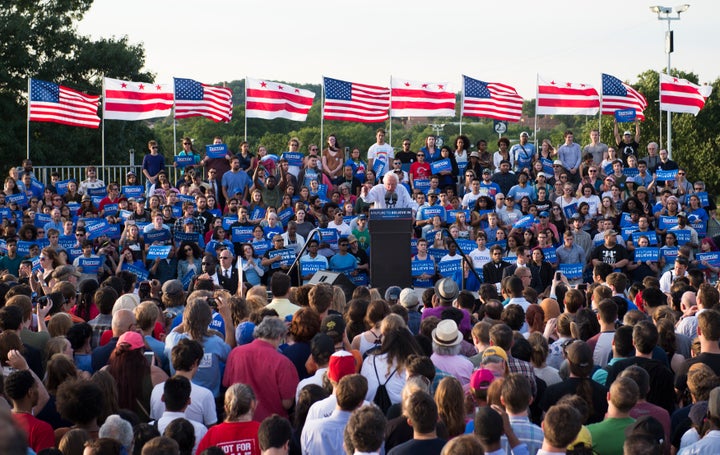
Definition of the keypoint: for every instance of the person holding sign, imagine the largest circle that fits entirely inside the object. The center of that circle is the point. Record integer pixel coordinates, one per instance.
(627, 145)
(188, 150)
(640, 268)
(379, 154)
(219, 165)
(235, 182)
(274, 260)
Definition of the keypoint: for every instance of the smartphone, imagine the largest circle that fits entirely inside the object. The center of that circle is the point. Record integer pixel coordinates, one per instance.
(149, 357)
(558, 276)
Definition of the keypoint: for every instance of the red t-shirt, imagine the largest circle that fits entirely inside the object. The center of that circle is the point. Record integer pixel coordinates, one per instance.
(420, 170)
(40, 434)
(234, 438)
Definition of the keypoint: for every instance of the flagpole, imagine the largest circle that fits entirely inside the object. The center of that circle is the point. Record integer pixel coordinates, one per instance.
(322, 112)
(537, 81)
(102, 131)
(27, 142)
(246, 91)
(462, 102)
(390, 115)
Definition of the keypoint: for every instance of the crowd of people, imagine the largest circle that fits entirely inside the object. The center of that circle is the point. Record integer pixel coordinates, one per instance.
(562, 300)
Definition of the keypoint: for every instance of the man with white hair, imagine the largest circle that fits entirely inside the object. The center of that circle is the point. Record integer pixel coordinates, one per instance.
(389, 194)
(115, 427)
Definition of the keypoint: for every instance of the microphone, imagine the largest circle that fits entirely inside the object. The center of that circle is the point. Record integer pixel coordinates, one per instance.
(391, 199)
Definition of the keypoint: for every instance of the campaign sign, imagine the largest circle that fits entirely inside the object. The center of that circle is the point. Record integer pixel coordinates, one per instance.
(216, 150)
(570, 210)
(683, 236)
(187, 279)
(157, 235)
(97, 229)
(184, 160)
(41, 219)
(572, 271)
(66, 241)
(524, 222)
(322, 190)
(349, 219)
(62, 187)
(177, 211)
(651, 236)
(378, 166)
(74, 207)
(158, 252)
(310, 268)
(510, 258)
(5, 213)
(711, 257)
(113, 231)
(437, 253)
(37, 186)
(703, 196)
(608, 169)
(361, 279)
(287, 255)
(442, 165)
(3, 246)
(36, 264)
(293, 158)
(18, 198)
(419, 267)
(422, 185)
(625, 219)
(625, 115)
(631, 172)
(391, 214)
(186, 237)
(427, 213)
(74, 253)
(669, 253)
(185, 198)
(286, 215)
(110, 210)
(135, 191)
(413, 246)
(96, 200)
(550, 255)
(647, 254)
(664, 176)
(466, 245)
(100, 191)
(452, 215)
(227, 221)
(626, 232)
(667, 222)
(141, 225)
(449, 268)
(261, 247)
(329, 235)
(502, 243)
(258, 213)
(141, 273)
(90, 266)
(547, 165)
(242, 234)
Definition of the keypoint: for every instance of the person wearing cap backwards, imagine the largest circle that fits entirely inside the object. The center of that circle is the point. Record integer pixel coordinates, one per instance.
(610, 252)
(523, 153)
(627, 144)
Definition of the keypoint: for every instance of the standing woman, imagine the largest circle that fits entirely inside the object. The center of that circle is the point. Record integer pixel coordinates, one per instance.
(462, 145)
(449, 178)
(557, 217)
(542, 269)
(49, 260)
(252, 271)
(332, 159)
(503, 153)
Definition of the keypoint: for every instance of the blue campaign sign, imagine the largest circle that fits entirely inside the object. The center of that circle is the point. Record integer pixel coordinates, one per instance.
(110, 209)
(448, 268)
(625, 115)
(664, 176)
(703, 196)
(391, 214)
(74, 207)
(422, 184)
(113, 231)
(242, 234)
(5, 213)
(625, 219)
(502, 243)
(66, 241)
(62, 187)
(177, 211)
(97, 229)
(258, 213)
(413, 246)
(442, 165)
(378, 166)
(293, 158)
(216, 150)
(141, 225)
(154, 235)
(187, 279)
(627, 231)
(667, 222)
(437, 253)
(90, 266)
(524, 222)
(647, 254)
(3, 246)
(310, 268)
(669, 253)
(570, 210)
(361, 279)
(184, 160)
(124, 215)
(683, 236)
(41, 219)
(651, 236)
(227, 221)
(186, 237)
(427, 213)
(287, 254)
(322, 190)
(419, 267)
(185, 198)
(19, 198)
(135, 191)
(347, 219)
(37, 185)
(550, 255)
(74, 253)
(96, 200)
(261, 247)
(286, 215)
(36, 264)
(158, 252)
(631, 172)
(711, 257)
(466, 245)
(100, 191)
(547, 165)
(329, 235)
(452, 215)
(572, 271)
(141, 273)
(608, 169)
(23, 247)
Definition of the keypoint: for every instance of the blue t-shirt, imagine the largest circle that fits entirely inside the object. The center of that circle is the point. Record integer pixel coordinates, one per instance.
(236, 182)
(153, 164)
(340, 263)
(212, 365)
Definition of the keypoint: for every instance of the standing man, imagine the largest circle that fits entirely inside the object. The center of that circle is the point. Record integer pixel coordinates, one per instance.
(652, 159)
(152, 165)
(597, 149)
(380, 151)
(91, 181)
(235, 183)
(570, 156)
(406, 156)
(627, 145)
(523, 153)
(610, 252)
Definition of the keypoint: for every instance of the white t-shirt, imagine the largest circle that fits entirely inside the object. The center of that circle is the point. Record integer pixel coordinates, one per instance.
(480, 258)
(384, 153)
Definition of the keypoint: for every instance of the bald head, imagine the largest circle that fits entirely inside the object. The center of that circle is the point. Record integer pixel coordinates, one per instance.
(688, 300)
(122, 321)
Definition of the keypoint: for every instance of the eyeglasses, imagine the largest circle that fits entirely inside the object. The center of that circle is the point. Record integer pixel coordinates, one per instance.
(40, 231)
(563, 176)
(592, 171)
(187, 248)
(681, 173)
(420, 154)
(225, 257)
(187, 143)
(698, 189)
(57, 199)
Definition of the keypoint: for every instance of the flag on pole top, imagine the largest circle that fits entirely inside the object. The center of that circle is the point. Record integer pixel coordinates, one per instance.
(566, 98)
(49, 102)
(270, 100)
(127, 100)
(681, 95)
(421, 99)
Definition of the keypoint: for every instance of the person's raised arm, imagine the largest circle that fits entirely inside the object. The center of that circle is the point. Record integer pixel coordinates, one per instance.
(17, 361)
(637, 131)
(616, 133)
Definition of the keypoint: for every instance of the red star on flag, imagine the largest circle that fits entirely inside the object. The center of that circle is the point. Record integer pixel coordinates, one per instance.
(124, 85)
(568, 84)
(297, 91)
(280, 87)
(263, 84)
(158, 87)
(407, 84)
(441, 87)
(552, 82)
(141, 87)
(424, 86)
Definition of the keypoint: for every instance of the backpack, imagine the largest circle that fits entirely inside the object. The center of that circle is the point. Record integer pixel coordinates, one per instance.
(376, 347)
(382, 398)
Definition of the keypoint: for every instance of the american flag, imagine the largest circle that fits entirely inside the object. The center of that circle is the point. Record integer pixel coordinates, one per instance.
(195, 99)
(566, 98)
(421, 99)
(353, 102)
(617, 95)
(490, 99)
(270, 100)
(54, 103)
(680, 95)
(126, 100)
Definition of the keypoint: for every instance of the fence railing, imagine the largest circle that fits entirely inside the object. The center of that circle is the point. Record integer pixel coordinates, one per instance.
(107, 174)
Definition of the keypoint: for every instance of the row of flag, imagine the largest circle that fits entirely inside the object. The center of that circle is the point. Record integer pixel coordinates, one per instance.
(349, 101)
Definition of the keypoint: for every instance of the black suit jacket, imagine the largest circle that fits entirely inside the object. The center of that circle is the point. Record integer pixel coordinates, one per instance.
(493, 273)
(231, 284)
(534, 281)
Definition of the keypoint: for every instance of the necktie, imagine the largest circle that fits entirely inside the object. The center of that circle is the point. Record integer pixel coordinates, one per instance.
(227, 273)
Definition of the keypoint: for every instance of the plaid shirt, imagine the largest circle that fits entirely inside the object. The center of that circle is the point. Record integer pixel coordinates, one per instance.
(527, 432)
(180, 222)
(524, 368)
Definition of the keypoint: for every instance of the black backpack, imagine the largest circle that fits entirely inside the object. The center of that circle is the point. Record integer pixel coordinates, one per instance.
(382, 398)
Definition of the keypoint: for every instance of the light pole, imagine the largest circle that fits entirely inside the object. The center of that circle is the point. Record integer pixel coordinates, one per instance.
(664, 14)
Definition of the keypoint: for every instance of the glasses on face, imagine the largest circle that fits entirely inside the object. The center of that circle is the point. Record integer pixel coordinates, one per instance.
(187, 143)
(564, 177)
(224, 257)
(681, 173)
(698, 189)
(420, 154)
(55, 199)
(592, 171)
(40, 231)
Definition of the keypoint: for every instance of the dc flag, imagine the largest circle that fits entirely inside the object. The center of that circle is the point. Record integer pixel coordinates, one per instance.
(270, 100)
(421, 99)
(566, 98)
(127, 100)
(680, 95)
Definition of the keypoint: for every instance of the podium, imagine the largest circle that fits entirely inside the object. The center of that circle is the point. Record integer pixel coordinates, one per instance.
(390, 252)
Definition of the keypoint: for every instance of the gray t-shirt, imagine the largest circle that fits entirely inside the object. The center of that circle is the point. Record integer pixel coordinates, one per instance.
(597, 151)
